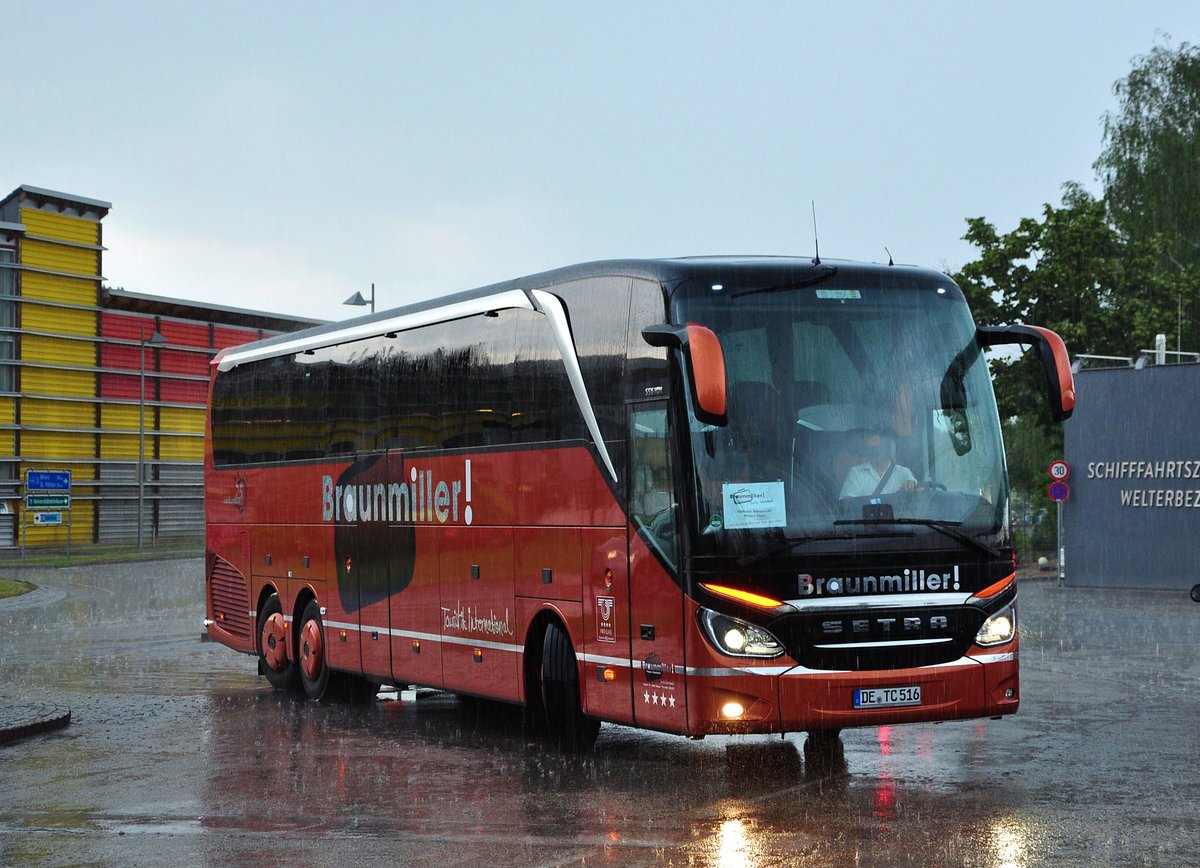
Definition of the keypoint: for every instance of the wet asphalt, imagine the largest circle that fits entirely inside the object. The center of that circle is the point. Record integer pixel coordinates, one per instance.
(177, 753)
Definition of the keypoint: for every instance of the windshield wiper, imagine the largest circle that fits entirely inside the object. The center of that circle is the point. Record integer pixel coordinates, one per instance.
(948, 528)
(822, 272)
(787, 546)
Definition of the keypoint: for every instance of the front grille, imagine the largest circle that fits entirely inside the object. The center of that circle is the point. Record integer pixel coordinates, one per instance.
(230, 601)
(853, 639)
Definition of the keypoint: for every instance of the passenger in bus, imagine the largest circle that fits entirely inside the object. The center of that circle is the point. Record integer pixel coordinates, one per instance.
(879, 473)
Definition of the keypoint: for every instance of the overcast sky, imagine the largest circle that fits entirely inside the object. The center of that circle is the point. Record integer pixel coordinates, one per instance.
(281, 156)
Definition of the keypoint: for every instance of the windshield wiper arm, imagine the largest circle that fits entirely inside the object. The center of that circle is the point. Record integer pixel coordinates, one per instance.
(822, 272)
(787, 546)
(948, 528)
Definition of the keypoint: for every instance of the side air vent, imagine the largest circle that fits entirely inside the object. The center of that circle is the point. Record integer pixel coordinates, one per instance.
(230, 602)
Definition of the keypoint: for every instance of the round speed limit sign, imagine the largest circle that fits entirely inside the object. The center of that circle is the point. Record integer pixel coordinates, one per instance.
(1060, 470)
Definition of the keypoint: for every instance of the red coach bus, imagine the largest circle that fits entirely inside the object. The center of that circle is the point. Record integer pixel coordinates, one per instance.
(706, 495)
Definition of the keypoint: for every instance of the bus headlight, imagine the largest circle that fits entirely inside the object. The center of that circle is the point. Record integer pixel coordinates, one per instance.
(999, 628)
(736, 637)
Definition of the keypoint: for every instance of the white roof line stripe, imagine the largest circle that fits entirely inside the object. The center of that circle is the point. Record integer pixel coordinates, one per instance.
(513, 298)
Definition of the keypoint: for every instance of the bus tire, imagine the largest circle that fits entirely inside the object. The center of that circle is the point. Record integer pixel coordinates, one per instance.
(824, 754)
(314, 672)
(568, 727)
(273, 658)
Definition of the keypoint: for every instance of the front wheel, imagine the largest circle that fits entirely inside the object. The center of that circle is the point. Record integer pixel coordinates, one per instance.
(314, 673)
(568, 726)
(273, 658)
(824, 754)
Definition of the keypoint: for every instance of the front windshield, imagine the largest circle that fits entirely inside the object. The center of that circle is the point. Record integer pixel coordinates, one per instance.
(848, 408)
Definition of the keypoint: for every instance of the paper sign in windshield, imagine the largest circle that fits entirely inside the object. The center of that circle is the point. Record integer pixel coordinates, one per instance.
(753, 504)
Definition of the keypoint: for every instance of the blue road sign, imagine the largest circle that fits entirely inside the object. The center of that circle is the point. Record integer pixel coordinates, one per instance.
(48, 480)
(1058, 491)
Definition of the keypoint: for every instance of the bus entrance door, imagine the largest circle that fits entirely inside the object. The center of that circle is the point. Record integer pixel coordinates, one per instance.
(656, 603)
(607, 689)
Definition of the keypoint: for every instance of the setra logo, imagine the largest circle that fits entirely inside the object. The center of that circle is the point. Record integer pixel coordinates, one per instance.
(885, 627)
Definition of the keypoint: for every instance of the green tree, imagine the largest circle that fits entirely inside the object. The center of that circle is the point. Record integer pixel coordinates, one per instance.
(1071, 271)
(1150, 169)
(1150, 162)
(1106, 274)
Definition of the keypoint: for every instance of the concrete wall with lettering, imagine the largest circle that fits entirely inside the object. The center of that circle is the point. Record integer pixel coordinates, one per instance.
(1133, 516)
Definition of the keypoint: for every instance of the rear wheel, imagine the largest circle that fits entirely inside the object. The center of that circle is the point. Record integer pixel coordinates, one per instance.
(314, 673)
(272, 647)
(566, 723)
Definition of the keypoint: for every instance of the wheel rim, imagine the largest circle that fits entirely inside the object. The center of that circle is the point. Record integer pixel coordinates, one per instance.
(311, 659)
(273, 642)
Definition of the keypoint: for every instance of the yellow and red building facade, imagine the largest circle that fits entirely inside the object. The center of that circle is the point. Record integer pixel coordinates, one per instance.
(100, 382)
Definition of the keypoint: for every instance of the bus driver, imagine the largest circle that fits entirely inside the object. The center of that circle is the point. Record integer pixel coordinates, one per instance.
(879, 474)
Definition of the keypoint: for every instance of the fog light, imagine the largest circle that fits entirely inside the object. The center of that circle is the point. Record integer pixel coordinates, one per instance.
(732, 710)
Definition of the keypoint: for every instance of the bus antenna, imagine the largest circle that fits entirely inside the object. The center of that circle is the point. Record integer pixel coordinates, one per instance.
(889, 253)
(816, 242)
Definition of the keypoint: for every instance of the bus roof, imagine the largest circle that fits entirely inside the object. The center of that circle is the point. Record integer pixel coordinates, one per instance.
(754, 270)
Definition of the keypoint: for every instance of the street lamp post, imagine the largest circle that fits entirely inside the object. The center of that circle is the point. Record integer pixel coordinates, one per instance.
(358, 301)
(155, 340)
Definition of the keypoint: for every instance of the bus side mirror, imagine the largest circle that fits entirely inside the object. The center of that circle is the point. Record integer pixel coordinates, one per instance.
(705, 361)
(1060, 382)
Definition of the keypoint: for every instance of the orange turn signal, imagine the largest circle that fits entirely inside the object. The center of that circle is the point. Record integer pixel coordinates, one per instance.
(743, 596)
(992, 590)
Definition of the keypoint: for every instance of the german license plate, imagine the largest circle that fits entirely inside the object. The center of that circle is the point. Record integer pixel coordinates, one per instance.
(884, 697)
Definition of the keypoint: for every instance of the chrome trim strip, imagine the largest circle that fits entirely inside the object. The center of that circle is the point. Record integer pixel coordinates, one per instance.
(551, 305)
(514, 298)
(746, 670)
(804, 671)
(994, 658)
(893, 601)
(896, 644)
(602, 660)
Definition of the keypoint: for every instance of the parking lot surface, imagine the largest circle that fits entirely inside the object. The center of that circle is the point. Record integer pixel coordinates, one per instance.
(176, 752)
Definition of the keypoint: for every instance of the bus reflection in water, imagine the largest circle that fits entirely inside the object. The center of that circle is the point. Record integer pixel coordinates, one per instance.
(612, 492)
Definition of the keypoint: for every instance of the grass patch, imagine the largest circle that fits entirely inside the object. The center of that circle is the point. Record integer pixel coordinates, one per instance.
(13, 588)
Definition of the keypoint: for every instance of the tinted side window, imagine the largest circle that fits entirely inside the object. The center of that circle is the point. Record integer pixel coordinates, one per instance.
(599, 313)
(484, 381)
(647, 374)
(543, 404)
